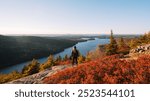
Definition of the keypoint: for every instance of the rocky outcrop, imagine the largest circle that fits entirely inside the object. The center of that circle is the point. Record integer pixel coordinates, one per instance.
(141, 49)
(38, 77)
(137, 52)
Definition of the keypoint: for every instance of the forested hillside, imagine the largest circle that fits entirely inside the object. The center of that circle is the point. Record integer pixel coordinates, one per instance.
(16, 49)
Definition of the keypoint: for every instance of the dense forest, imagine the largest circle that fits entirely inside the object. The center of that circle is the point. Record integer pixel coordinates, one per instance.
(16, 49)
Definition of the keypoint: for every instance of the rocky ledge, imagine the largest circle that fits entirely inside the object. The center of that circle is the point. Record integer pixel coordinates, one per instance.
(141, 49)
(138, 51)
(38, 77)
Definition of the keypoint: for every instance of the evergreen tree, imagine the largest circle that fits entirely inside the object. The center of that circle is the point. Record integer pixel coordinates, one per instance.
(111, 48)
(148, 35)
(143, 39)
(31, 68)
(81, 59)
(58, 59)
(66, 57)
(121, 42)
(123, 48)
(48, 64)
(88, 57)
(51, 60)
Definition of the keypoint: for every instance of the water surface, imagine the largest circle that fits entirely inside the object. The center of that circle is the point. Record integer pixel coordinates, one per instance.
(83, 47)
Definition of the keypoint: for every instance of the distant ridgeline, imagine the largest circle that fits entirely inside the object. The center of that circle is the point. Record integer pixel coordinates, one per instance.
(16, 49)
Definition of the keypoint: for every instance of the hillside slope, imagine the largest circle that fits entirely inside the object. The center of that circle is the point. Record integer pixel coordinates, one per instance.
(38, 77)
(17, 49)
(109, 70)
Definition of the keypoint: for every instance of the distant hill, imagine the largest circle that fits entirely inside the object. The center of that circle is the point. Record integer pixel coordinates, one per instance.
(16, 49)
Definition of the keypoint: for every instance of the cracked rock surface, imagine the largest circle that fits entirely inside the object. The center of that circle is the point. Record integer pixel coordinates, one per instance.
(38, 77)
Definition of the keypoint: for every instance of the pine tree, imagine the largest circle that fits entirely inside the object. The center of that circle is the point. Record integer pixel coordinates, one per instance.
(58, 59)
(123, 48)
(121, 42)
(48, 64)
(81, 59)
(148, 35)
(111, 48)
(88, 57)
(66, 57)
(51, 60)
(31, 68)
(143, 39)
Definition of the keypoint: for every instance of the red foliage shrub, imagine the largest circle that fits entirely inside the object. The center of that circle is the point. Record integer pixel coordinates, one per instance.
(66, 62)
(109, 70)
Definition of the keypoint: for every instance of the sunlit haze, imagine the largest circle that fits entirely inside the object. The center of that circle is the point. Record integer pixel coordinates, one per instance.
(74, 16)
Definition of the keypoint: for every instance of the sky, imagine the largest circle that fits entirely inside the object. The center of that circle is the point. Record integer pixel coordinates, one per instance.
(74, 16)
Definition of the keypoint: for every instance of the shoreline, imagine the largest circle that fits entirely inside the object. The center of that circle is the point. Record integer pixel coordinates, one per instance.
(44, 56)
(19, 66)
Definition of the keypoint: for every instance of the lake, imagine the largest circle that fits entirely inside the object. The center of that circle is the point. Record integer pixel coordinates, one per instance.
(83, 47)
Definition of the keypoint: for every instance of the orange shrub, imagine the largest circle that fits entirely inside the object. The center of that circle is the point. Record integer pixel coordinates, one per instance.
(109, 70)
(65, 62)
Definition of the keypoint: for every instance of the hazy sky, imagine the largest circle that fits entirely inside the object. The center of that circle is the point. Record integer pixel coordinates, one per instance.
(74, 16)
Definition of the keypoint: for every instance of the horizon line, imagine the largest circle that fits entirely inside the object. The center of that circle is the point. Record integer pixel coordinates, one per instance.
(25, 34)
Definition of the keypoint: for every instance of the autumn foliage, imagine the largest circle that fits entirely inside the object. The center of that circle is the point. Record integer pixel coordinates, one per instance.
(109, 70)
(66, 62)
